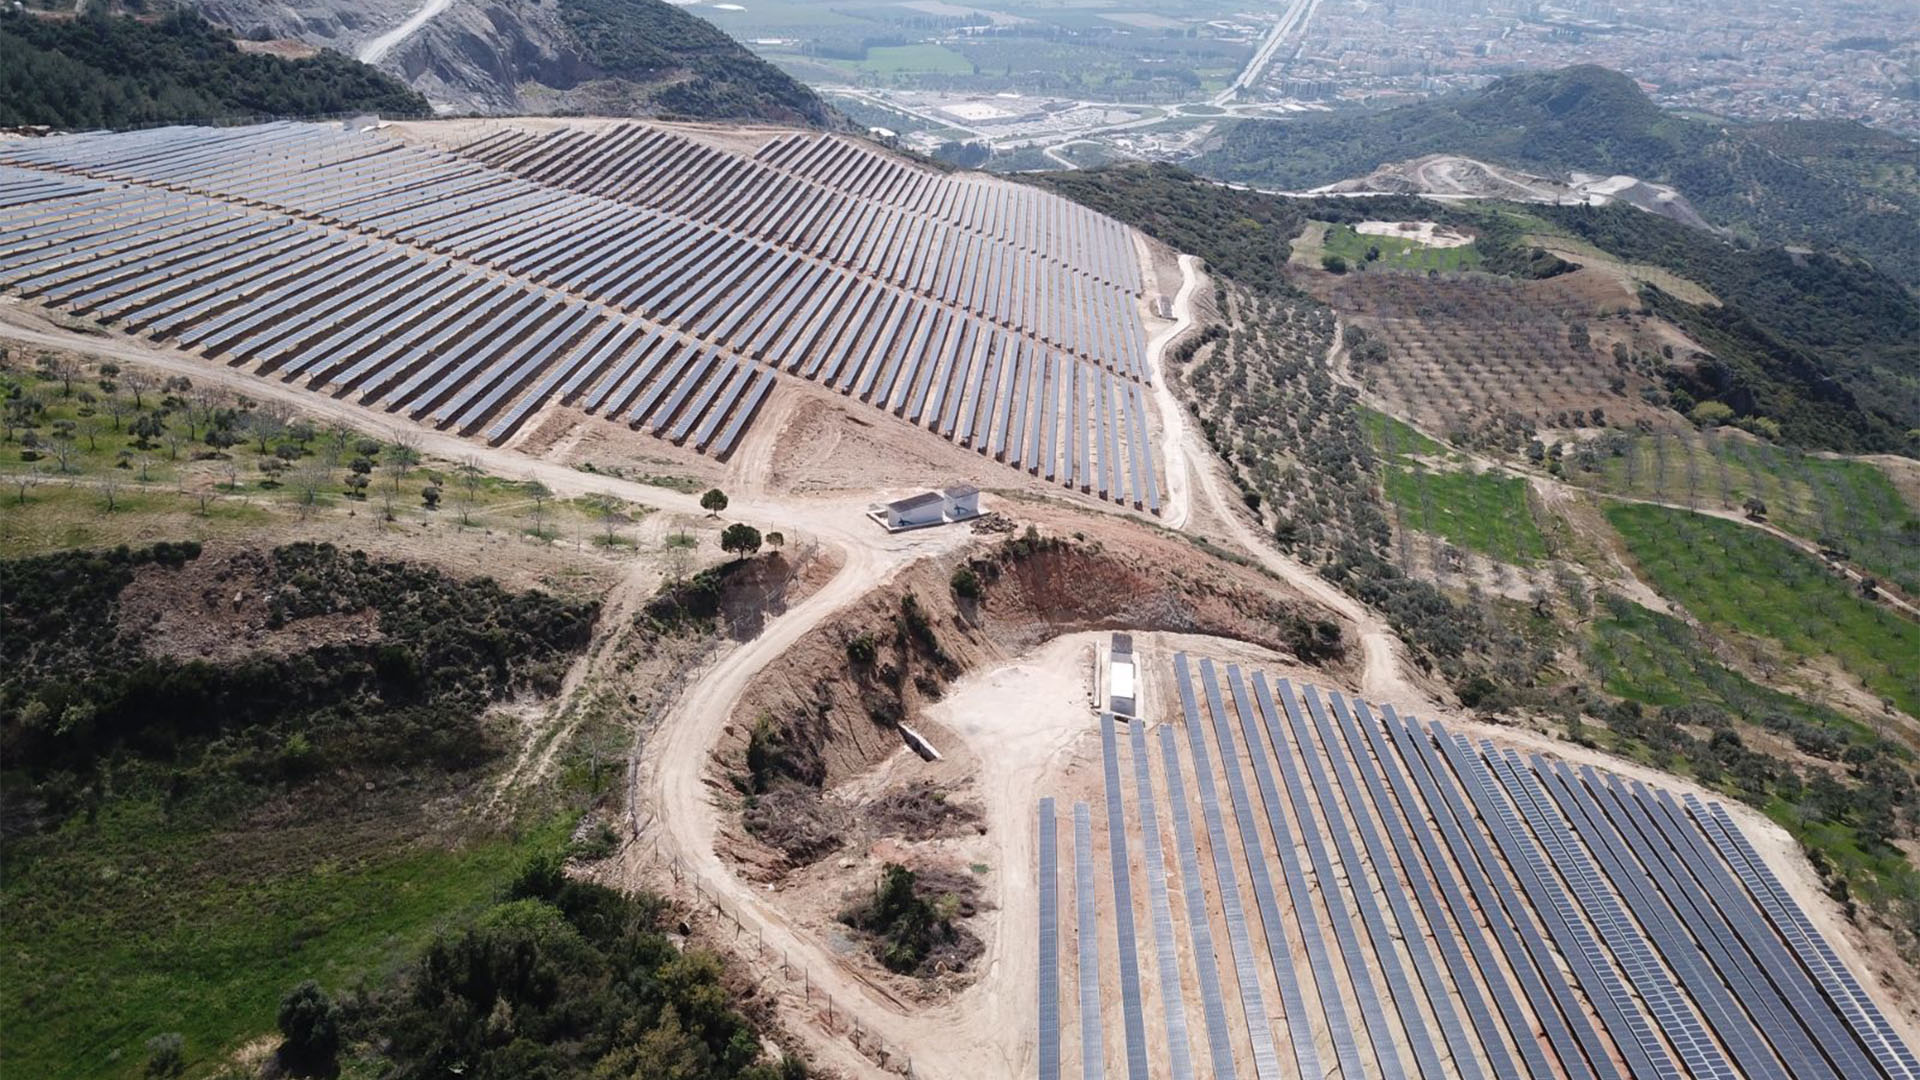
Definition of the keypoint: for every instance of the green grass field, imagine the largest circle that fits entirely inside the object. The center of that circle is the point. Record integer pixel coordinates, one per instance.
(1849, 504)
(1658, 660)
(921, 59)
(1741, 579)
(1395, 253)
(1485, 512)
(131, 926)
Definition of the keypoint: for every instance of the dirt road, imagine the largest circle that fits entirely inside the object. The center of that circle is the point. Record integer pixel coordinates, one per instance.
(1173, 415)
(1384, 676)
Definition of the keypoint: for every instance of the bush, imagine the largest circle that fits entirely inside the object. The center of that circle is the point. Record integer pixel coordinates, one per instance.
(310, 1025)
(1333, 263)
(167, 1055)
(966, 583)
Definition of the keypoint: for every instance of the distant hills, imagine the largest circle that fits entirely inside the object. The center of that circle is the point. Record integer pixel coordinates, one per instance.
(602, 57)
(107, 71)
(1829, 185)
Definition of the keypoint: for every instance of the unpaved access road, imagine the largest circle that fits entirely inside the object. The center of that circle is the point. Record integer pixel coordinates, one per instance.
(669, 787)
(1173, 416)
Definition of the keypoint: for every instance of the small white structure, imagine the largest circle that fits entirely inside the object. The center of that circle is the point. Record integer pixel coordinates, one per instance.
(960, 502)
(1122, 695)
(927, 508)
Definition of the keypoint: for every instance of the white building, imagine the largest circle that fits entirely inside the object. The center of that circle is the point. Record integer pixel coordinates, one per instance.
(961, 501)
(927, 508)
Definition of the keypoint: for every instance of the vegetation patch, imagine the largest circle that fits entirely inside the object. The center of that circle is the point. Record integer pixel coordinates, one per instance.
(910, 919)
(695, 69)
(1848, 507)
(1365, 251)
(559, 978)
(1740, 578)
(106, 71)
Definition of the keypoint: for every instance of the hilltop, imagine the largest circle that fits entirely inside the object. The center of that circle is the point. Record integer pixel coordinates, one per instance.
(599, 57)
(1836, 186)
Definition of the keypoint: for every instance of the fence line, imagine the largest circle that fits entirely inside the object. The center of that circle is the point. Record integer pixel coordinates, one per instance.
(831, 1015)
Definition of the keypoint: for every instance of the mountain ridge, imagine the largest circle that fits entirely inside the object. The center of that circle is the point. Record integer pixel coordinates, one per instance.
(1831, 185)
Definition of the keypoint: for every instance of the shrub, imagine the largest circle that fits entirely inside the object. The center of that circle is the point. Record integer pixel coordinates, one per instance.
(966, 583)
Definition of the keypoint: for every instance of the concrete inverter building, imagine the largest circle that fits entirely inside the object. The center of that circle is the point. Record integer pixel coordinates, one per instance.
(962, 501)
(927, 508)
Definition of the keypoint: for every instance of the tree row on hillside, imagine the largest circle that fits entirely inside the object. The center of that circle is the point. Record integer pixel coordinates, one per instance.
(107, 71)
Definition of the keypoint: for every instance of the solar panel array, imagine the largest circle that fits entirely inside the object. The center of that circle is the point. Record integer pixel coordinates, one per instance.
(1445, 909)
(634, 273)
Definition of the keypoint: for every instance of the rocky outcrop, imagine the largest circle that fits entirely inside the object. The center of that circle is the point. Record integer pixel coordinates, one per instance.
(529, 56)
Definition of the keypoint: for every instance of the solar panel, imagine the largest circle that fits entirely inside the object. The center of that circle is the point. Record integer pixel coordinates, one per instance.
(1117, 858)
(1093, 1053)
(1252, 1006)
(1049, 945)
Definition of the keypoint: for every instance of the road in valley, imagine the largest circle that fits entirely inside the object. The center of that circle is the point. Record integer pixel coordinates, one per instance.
(1293, 22)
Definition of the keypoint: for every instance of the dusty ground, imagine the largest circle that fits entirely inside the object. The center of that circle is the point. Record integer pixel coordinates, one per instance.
(1420, 232)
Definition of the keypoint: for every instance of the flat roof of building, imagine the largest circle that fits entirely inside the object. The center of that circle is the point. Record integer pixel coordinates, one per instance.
(915, 502)
(960, 491)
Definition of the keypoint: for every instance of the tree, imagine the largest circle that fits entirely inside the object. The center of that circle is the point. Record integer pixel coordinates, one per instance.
(61, 367)
(539, 493)
(609, 510)
(1333, 263)
(430, 496)
(399, 458)
(1756, 510)
(740, 538)
(713, 501)
(267, 422)
(138, 382)
(310, 1028)
(470, 477)
(1711, 413)
(776, 541)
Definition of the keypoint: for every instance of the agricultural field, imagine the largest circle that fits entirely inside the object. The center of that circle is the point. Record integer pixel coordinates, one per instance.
(1850, 506)
(924, 58)
(1742, 580)
(1439, 494)
(1106, 51)
(1660, 661)
(1363, 252)
(1488, 359)
(218, 924)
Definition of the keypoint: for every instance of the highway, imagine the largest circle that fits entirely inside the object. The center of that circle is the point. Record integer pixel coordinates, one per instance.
(1293, 23)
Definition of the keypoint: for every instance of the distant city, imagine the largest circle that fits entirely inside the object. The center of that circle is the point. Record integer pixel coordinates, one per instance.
(1060, 85)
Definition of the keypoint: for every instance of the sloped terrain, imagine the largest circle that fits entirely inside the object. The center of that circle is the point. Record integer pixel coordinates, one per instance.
(605, 57)
(1834, 186)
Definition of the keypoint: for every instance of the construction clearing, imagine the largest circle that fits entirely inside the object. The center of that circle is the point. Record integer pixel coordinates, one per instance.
(1331, 890)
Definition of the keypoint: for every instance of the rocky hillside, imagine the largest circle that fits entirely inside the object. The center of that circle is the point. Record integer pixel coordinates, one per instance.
(611, 57)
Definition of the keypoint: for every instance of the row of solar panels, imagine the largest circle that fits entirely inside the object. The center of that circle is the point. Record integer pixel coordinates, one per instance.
(1489, 915)
(365, 180)
(650, 167)
(1036, 221)
(436, 341)
(972, 382)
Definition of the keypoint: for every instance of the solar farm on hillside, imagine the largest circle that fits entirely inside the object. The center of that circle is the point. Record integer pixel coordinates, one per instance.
(630, 271)
(1290, 885)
